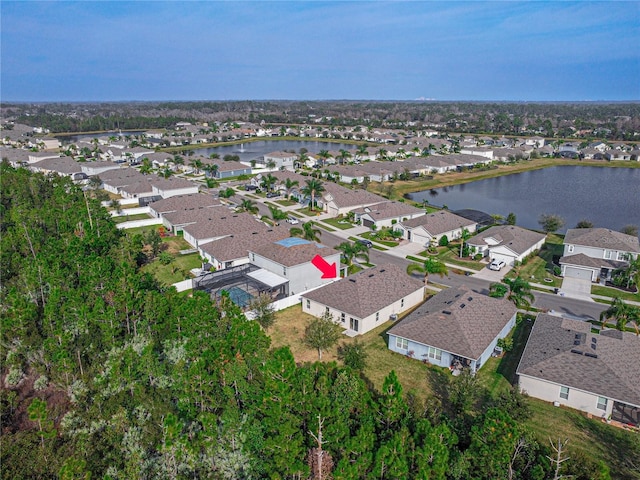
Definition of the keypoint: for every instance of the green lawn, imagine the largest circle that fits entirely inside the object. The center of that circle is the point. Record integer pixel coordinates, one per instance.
(372, 236)
(286, 203)
(539, 268)
(127, 218)
(176, 271)
(339, 223)
(614, 292)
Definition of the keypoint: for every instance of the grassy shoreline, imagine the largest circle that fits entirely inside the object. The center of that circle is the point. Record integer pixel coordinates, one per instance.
(456, 178)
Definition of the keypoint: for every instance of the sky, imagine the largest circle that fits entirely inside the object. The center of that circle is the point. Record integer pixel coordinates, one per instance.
(315, 50)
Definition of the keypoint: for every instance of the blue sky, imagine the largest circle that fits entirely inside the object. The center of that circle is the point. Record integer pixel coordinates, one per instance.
(238, 50)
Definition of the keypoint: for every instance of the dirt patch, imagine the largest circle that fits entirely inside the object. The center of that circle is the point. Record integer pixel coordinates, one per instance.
(58, 404)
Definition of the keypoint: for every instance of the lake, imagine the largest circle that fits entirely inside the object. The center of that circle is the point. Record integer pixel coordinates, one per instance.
(253, 150)
(608, 197)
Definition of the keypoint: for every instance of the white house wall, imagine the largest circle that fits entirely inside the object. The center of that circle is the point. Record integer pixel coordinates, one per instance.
(550, 392)
(420, 352)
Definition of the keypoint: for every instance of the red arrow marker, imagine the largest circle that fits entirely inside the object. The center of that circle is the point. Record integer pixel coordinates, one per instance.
(328, 270)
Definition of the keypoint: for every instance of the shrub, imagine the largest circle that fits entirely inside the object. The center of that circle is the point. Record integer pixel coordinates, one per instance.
(41, 383)
(14, 376)
(557, 270)
(444, 241)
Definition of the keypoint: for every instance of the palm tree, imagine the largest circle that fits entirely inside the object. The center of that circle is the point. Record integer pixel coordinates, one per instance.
(344, 155)
(351, 251)
(268, 181)
(211, 170)
(196, 163)
(312, 188)
(248, 205)
(308, 232)
(430, 265)
(517, 291)
(288, 185)
(361, 151)
(277, 214)
(303, 158)
(465, 235)
(324, 155)
(622, 313)
(271, 164)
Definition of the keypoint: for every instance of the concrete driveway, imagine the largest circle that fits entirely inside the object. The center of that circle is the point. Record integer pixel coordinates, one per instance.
(576, 288)
(492, 275)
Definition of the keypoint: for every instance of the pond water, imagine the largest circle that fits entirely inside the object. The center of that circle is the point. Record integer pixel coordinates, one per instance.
(608, 197)
(253, 150)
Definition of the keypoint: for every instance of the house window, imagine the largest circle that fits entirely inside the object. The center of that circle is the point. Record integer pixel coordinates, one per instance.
(377, 316)
(570, 249)
(402, 303)
(564, 392)
(353, 324)
(343, 317)
(435, 353)
(253, 257)
(402, 343)
(308, 303)
(607, 254)
(622, 257)
(284, 270)
(602, 403)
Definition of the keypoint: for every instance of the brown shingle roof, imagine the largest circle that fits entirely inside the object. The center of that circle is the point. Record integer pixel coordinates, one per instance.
(293, 251)
(458, 321)
(185, 202)
(439, 222)
(386, 210)
(238, 246)
(613, 374)
(219, 222)
(346, 197)
(602, 238)
(368, 291)
(516, 239)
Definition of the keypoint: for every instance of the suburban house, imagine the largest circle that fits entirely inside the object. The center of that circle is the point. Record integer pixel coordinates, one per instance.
(594, 253)
(214, 223)
(114, 180)
(233, 250)
(457, 328)
(291, 258)
(63, 166)
(338, 200)
(96, 168)
(386, 214)
(170, 187)
(430, 228)
(364, 301)
(226, 169)
(178, 203)
(281, 160)
(507, 243)
(565, 363)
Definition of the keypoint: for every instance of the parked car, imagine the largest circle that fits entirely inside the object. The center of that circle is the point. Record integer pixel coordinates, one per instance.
(250, 187)
(273, 194)
(367, 243)
(293, 220)
(497, 265)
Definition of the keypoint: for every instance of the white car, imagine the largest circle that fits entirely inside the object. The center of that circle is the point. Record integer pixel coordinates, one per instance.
(497, 265)
(292, 220)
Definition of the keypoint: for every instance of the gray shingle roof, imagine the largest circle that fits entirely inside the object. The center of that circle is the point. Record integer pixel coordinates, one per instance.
(219, 222)
(613, 374)
(185, 202)
(368, 291)
(238, 246)
(457, 320)
(440, 222)
(347, 197)
(602, 238)
(585, 261)
(516, 239)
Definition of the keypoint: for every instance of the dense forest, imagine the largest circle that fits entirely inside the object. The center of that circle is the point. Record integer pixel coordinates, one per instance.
(613, 121)
(107, 374)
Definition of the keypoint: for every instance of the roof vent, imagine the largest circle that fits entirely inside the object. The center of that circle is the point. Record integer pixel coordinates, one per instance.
(576, 342)
(573, 350)
(469, 298)
(462, 305)
(591, 355)
(447, 312)
(352, 280)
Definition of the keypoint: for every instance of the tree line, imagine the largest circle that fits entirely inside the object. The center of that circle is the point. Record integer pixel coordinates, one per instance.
(108, 374)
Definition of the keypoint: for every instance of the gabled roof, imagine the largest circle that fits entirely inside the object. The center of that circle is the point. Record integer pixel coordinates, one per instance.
(368, 291)
(439, 222)
(583, 260)
(185, 202)
(515, 238)
(386, 210)
(220, 222)
(293, 251)
(457, 320)
(602, 238)
(611, 369)
(238, 246)
(347, 197)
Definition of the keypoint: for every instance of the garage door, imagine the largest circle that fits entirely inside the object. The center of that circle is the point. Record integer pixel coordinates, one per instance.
(574, 272)
(367, 223)
(505, 258)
